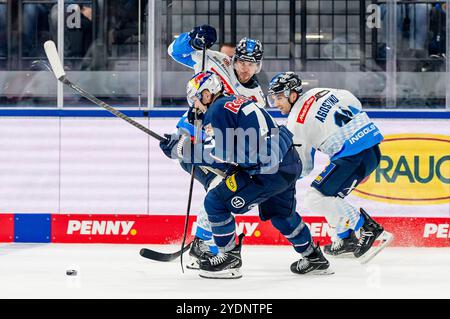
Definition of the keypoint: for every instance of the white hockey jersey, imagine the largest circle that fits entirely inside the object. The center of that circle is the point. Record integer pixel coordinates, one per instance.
(181, 51)
(330, 121)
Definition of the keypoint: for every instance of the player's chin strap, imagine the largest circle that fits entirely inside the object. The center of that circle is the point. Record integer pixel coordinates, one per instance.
(298, 97)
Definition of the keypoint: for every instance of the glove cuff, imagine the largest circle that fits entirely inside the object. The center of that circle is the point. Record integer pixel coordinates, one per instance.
(180, 145)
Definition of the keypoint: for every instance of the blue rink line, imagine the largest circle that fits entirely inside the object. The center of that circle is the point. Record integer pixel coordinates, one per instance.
(170, 113)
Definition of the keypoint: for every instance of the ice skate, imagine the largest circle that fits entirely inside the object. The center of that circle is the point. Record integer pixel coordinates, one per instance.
(342, 247)
(313, 264)
(371, 231)
(199, 251)
(225, 265)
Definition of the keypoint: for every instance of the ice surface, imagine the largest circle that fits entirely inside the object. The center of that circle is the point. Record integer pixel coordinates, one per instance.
(118, 271)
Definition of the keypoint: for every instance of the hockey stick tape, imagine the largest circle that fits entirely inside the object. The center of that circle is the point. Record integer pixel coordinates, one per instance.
(53, 58)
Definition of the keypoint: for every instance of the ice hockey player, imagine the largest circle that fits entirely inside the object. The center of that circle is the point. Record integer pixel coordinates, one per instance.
(238, 75)
(266, 167)
(332, 121)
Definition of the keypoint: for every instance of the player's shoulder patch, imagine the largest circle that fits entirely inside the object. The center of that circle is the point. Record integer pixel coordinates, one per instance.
(222, 59)
(305, 109)
(324, 174)
(308, 103)
(226, 61)
(231, 183)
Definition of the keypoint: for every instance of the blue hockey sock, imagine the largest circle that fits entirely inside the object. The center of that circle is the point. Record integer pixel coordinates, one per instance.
(295, 231)
(206, 235)
(203, 233)
(345, 234)
(222, 222)
(224, 233)
(214, 249)
(360, 222)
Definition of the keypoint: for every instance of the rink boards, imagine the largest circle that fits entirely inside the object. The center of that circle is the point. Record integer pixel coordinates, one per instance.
(80, 176)
(167, 229)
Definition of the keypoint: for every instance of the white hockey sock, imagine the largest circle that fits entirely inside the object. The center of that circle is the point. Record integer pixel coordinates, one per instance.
(340, 215)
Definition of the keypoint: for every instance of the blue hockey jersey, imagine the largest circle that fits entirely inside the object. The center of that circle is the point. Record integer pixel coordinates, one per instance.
(246, 135)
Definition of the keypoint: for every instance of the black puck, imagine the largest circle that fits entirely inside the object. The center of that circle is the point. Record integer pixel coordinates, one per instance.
(71, 272)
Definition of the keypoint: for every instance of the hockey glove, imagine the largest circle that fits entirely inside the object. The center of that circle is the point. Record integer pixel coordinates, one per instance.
(191, 115)
(167, 146)
(204, 35)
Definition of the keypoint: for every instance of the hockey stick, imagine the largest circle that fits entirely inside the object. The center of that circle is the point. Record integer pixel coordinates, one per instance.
(198, 125)
(155, 255)
(60, 74)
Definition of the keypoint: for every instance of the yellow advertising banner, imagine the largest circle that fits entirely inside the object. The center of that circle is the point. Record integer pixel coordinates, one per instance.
(414, 170)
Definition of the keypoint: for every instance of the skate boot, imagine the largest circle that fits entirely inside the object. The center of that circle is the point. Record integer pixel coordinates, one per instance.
(199, 251)
(225, 265)
(313, 264)
(369, 232)
(342, 247)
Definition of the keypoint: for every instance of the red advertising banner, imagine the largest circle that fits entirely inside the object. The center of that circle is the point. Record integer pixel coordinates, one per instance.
(6, 228)
(168, 229)
(124, 229)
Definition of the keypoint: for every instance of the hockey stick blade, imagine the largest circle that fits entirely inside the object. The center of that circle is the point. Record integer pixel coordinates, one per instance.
(155, 255)
(53, 58)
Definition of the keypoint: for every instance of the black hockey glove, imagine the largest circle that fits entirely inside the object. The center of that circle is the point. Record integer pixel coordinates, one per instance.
(191, 115)
(204, 35)
(232, 169)
(168, 145)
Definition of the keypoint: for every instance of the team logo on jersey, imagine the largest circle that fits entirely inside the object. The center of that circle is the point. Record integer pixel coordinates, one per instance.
(305, 109)
(237, 202)
(236, 104)
(231, 183)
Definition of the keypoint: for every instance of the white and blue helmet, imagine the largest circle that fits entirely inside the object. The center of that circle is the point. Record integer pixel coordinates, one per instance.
(203, 81)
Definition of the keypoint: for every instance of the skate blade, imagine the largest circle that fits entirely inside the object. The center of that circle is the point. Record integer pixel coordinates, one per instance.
(385, 239)
(193, 264)
(321, 272)
(224, 274)
(348, 255)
